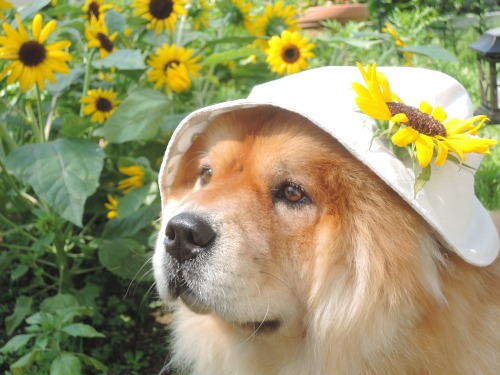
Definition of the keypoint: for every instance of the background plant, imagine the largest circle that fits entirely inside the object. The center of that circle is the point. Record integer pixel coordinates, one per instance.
(79, 156)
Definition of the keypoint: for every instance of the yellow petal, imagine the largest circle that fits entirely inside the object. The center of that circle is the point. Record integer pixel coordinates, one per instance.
(47, 30)
(439, 114)
(442, 154)
(399, 117)
(425, 107)
(425, 150)
(404, 136)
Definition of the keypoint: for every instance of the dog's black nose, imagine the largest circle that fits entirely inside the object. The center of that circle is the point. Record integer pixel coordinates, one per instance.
(187, 236)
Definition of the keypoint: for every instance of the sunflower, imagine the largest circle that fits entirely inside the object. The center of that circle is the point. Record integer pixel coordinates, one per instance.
(161, 14)
(288, 53)
(173, 67)
(135, 179)
(112, 206)
(98, 36)
(4, 5)
(274, 21)
(238, 13)
(95, 8)
(34, 61)
(199, 13)
(399, 43)
(425, 127)
(100, 104)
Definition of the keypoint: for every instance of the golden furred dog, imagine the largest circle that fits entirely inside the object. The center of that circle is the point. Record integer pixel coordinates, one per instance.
(280, 253)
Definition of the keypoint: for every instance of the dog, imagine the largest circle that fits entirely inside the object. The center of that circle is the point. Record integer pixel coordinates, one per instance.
(281, 253)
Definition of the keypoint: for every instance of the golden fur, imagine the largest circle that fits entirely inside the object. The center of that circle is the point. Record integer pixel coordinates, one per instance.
(351, 282)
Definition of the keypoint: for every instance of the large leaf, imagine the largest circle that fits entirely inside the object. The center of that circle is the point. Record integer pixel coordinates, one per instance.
(130, 225)
(122, 59)
(88, 360)
(63, 81)
(23, 363)
(433, 51)
(16, 343)
(125, 258)
(63, 173)
(21, 311)
(81, 330)
(138, 117)
(32, 9)
(66, 364)
(115, 21)
(130, 203)
(59, 301)
(220, 57)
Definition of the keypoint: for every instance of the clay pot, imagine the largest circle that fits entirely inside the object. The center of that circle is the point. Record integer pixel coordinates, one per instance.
(340, 12)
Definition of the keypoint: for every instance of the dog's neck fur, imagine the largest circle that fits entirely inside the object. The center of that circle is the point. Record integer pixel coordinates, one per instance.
(410, 344)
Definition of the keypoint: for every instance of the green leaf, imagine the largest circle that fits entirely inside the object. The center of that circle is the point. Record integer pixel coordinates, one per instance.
(240, 40)
(432, 50)
(138, 117)
(233, 54)
(125, 258)
(421, 179)
(63, 173)
(170, 122)
(88, 360)
(63, 81)
(43, 241)
(116, 22)
(81, 330)
(74, 126)
(21, 311)
(16, 343)
(59, 301)
(34, 7)
(131, 202)
(356, 42)
(130, 225)
(122, 59)
(23, 363)
(66, 364)
(19, 272)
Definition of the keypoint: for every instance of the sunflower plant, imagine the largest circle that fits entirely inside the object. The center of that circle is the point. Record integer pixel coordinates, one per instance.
(90, 93)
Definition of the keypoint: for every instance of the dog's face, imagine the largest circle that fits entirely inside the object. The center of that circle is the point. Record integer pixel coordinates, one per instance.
(269, 214)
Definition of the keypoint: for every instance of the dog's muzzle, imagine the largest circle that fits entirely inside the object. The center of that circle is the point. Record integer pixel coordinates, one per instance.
(188, 236)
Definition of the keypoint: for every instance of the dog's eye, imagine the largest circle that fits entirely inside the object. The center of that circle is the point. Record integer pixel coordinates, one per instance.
(291, 193)
(205, 175)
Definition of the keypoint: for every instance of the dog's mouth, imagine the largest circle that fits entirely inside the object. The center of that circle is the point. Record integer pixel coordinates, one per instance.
(266, 326)
(179, 288)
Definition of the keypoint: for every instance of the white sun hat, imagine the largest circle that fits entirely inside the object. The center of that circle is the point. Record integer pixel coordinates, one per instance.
(325, 97)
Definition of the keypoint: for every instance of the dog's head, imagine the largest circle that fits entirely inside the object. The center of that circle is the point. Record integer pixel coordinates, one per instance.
(268, 214)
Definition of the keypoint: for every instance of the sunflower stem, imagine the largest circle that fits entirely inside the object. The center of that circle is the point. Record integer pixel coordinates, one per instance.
(33, 123)
(7, 137)
(86, 79)
(40, 116)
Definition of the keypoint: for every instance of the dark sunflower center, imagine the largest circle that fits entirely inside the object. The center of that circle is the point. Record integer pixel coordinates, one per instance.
(421, 122)
(290, 54)
(32, 53)
(103, 104)
(105, 42)
(161, 9)
(171, 64)
(93, 10)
